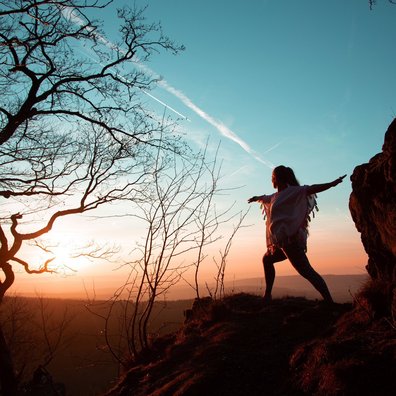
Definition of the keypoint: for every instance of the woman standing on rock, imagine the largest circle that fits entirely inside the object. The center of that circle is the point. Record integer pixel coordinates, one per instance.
(287, 212)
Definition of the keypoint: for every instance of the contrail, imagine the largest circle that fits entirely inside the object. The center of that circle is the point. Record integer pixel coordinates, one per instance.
(220, 127)
(165, 105)
(223, 129)
(273, 147)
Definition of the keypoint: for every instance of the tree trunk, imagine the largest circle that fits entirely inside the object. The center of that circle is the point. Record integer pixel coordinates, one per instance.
(8, 382)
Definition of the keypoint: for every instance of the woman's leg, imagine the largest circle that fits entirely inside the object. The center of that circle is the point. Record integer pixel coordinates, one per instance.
(269, 259)
(295, 252)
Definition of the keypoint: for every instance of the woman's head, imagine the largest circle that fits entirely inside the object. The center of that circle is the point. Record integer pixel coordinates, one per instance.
(284, 176)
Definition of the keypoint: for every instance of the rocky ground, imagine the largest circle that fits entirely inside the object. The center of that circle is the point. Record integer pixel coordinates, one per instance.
(238, 346)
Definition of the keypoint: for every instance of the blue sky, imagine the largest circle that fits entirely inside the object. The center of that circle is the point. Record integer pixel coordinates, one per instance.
(309, 84)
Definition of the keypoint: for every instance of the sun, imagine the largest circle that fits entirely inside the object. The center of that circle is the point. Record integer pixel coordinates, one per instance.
(67, 255)
(62, 256)
(70, 262)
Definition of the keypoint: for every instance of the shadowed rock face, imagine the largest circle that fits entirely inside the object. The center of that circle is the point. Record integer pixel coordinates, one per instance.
(373, 207)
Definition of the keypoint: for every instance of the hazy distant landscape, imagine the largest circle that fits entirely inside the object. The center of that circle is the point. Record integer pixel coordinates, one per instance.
(342, 287)
(82, 361)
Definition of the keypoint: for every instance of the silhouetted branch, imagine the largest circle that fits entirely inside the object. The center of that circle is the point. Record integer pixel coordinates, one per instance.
(372, 3)
(219, 290)
(41, 270)
(22, 7)
(57, 81)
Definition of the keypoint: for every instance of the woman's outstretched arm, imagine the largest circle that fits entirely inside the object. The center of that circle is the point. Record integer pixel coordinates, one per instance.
(258, 198)
(317, 188)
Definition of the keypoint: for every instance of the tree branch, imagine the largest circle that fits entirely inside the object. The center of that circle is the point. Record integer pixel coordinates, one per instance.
(44, 268)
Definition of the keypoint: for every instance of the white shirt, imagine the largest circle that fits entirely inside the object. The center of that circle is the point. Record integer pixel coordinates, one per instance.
(287, 214)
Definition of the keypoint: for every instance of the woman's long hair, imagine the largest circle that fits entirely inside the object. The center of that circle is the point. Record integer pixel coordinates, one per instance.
(286, 175)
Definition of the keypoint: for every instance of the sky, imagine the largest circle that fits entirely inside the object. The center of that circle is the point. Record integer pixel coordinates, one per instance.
(308, 84)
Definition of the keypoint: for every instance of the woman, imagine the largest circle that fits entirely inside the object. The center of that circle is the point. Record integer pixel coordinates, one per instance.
(287, 212)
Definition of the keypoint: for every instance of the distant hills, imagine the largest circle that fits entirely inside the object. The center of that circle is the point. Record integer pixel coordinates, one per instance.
(342, 287)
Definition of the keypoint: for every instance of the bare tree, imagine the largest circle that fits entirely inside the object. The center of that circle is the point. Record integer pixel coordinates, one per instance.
(27, 322)
(14, 340)
(74, 134)
(206, 220)
(181, 219)
(219, 290)
(105, 174)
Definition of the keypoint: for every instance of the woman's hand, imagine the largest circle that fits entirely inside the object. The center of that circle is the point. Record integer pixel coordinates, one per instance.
(317, 188)
(337, 181)
(253, 199)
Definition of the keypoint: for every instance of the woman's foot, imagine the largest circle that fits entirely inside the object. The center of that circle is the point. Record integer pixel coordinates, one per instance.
(267, 298)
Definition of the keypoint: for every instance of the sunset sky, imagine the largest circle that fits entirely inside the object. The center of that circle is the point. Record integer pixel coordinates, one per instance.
(308, 84)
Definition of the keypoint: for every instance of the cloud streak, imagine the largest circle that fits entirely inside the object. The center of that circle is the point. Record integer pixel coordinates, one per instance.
(69, 14)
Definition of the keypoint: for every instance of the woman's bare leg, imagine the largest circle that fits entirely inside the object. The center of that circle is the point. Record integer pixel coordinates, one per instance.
(269, 259)
(296, 254)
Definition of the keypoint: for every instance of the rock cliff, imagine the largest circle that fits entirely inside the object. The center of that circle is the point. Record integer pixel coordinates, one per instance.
(373, 208)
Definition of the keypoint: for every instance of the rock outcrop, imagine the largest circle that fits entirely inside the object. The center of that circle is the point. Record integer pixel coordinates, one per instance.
(373, 208)
(236, 346)
(358, 357)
